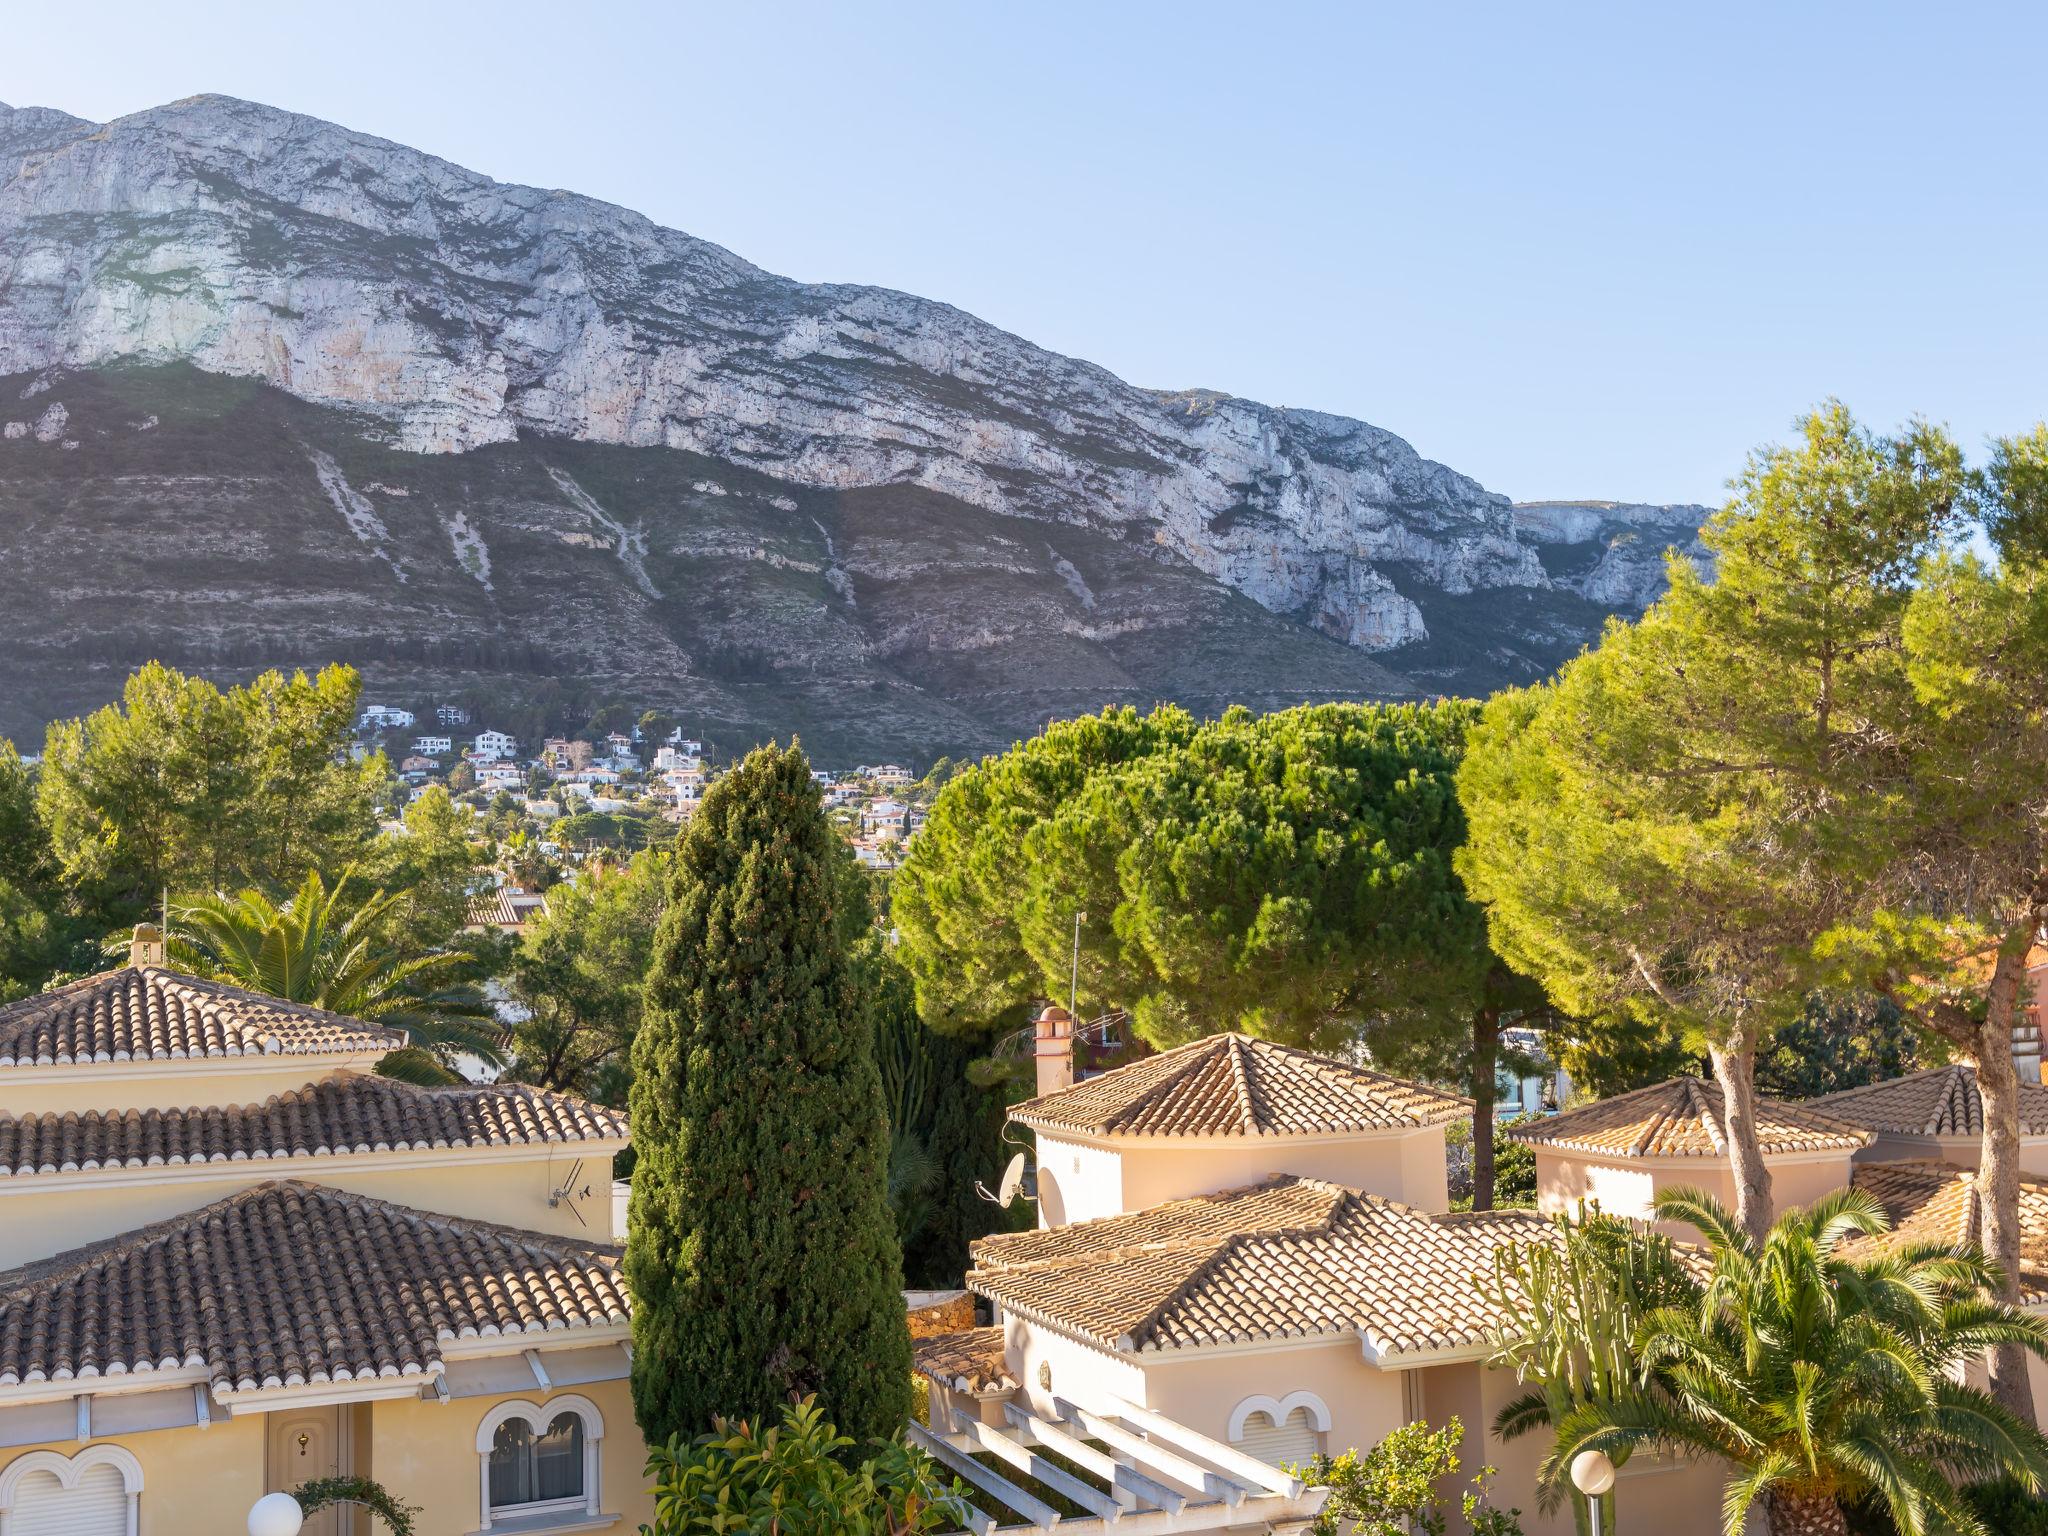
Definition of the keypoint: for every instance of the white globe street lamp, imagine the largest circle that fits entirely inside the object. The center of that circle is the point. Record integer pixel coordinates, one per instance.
(1593, 1475)
(276, 1514)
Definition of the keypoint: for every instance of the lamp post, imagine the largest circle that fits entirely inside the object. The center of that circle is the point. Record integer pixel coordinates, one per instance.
(276, 1514)
(1593, 1475)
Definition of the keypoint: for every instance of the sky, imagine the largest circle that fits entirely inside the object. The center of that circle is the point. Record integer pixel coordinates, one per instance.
(1575, 251)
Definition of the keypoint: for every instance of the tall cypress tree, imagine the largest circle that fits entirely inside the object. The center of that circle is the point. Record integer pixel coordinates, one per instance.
(762, 1256)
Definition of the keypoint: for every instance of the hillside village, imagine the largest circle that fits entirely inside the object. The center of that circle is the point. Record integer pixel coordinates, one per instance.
(619, 790)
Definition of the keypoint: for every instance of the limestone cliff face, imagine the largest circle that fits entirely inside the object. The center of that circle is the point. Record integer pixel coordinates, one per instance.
(1611, 552)
(456, 312)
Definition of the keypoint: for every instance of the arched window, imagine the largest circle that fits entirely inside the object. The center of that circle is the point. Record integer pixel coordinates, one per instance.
(94, 1493)
(539, 1459)
(1285, 1431)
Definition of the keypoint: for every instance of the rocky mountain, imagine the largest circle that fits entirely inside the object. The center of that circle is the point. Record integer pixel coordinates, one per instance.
(273, 390)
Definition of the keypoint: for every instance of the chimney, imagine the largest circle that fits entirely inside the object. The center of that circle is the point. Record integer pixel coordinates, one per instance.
(146, 947)
(1054, 1049)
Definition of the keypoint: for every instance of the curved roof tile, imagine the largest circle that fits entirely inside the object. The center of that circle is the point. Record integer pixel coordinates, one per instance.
(1683, 1117)
(1942, 1101)
(287, 1284)
(145, 1013)
(1289, 1259)
(1240, 1085)
(347, 1113)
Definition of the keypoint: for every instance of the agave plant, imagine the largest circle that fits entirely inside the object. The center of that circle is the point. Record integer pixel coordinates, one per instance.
(1824, 1365)
(324, 947)
(1570, 1309)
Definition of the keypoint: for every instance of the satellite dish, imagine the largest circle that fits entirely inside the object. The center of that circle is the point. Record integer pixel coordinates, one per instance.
(1013, 1183)
(1013, 1180)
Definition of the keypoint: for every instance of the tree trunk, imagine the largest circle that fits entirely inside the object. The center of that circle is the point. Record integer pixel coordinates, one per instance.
(1798, 1514)
(1998, 1173)
(1735, 1070)
(1485, 1090)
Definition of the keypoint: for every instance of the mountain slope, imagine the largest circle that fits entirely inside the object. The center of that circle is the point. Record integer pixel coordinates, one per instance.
(947, 511)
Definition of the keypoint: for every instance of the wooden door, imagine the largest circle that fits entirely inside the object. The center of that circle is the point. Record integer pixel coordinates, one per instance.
(305, 1444)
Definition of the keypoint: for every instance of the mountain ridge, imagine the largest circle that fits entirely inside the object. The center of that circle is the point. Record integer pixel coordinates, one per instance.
(445, 313)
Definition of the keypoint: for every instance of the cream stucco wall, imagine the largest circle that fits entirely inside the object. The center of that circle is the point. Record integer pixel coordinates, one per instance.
(41, 1214)
(1963, 1151)
(1081, 1180)
(1669, 1498)
(1077, 1182)
(1630, 1187)
(1047, 1365)
(1365, 1403)
(208, 1083)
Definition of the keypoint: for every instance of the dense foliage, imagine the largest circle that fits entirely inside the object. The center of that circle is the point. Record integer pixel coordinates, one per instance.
(798, 1479)
(945, 1131)
(1824, 1363)
(1837, 1042)
(182, 786)
(1286, 874)
(1398, 1488)
(762, 1255)
(334, 947)
(1651, 831)
(580, 973)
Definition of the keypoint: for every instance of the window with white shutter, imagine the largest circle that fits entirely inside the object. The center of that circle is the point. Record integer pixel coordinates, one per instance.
(1293, 1441)
(94, 1493)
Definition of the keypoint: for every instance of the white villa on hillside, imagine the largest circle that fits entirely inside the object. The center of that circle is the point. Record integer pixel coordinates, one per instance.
(233, 1259)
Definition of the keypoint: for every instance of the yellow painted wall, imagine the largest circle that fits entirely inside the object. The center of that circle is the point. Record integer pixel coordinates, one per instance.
(201, 1482)
(425, 1452)
(195, 1482)
(209, 1084)
(34, 1224)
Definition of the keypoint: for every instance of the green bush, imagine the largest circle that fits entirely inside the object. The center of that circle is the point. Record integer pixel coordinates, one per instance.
(1392, 1490)
(796, 1480)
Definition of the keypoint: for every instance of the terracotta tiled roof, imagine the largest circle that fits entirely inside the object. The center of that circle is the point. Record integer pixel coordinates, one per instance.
(1238, 1085)
(291, 1283)
(1942, 1101)
(968, 1361)
(141, 1013)
(1682, 1118)
(1941, 1203)
(1288, 1259)
(347, 1113)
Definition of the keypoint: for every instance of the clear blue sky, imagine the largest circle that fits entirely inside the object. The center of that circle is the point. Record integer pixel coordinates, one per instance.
(1575, 251)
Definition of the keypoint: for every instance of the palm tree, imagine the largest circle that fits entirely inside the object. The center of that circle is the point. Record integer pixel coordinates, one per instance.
(1823, 1363)
(328, 950)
